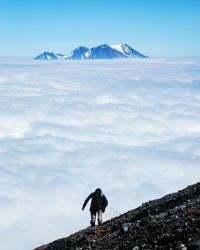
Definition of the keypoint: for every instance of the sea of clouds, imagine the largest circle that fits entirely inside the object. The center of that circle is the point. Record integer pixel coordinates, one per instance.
(131, 127)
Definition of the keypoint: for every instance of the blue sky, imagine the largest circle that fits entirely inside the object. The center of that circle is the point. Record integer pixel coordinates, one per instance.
(154, 27)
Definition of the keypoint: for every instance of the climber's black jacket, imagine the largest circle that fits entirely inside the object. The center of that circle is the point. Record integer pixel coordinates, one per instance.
(99, 201)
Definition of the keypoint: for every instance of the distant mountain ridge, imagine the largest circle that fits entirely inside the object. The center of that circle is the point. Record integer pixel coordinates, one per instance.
(103, 51)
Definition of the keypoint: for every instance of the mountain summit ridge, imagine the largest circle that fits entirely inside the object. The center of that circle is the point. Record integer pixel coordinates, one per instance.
(49, 56)
(169, 223)
(103, 51)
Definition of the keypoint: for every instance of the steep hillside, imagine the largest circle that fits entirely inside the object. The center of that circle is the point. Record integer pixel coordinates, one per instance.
(172, 222)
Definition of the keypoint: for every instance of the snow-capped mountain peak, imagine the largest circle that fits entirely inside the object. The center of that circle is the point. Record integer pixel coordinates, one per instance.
(104, 51)
(49, 56)
(128, 51)
(78, 53)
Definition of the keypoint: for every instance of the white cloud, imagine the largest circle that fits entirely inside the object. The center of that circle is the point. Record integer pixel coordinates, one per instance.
(131, 127)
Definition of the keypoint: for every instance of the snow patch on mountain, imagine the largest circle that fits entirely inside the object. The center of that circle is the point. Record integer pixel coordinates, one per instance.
(127, 51)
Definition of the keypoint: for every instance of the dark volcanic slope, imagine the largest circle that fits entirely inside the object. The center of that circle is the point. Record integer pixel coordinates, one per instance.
(172, 222)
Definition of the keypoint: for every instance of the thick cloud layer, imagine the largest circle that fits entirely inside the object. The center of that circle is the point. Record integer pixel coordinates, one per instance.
(131, 127)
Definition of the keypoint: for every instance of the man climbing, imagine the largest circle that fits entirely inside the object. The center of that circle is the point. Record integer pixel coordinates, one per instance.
(98, 206)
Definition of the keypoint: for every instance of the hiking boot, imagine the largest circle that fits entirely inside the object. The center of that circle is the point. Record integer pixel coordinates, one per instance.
(92, 224)
(100, 222)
